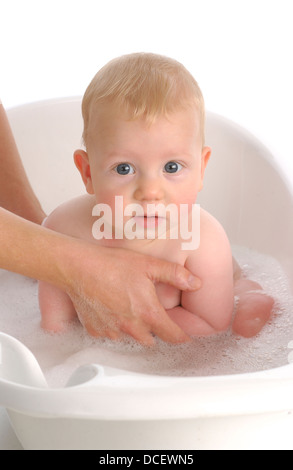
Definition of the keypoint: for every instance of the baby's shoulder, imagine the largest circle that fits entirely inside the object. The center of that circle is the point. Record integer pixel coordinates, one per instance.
(214, 245)
(73, 217)
(210, 227)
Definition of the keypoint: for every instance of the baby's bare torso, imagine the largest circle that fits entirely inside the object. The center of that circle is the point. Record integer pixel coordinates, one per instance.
(74, 218)
(204, 312)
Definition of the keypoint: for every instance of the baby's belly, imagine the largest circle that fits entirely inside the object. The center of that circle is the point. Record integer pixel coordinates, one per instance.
(169, 296)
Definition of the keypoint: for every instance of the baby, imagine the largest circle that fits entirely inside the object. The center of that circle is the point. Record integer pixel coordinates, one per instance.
(143, 167)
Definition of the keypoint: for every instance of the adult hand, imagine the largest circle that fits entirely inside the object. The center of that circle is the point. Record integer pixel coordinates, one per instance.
(113, 292)
(112, 289)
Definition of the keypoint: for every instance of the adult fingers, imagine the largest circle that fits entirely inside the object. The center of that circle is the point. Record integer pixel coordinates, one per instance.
(173, 274)
(169, 331)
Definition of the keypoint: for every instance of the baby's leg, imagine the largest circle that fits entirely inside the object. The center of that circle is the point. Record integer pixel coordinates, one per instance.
(254, 308)
(57, 310)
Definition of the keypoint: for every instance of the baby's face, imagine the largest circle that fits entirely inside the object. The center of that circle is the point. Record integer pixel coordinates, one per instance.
(159, 163)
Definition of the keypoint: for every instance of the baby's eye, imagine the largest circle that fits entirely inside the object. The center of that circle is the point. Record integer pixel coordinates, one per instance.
(172, 167)
(124, 169)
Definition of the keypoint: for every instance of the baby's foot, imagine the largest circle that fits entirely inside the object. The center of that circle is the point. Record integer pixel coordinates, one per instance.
(254, 308)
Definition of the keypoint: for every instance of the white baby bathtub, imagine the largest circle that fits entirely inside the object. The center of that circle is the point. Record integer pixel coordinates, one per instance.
(103, 408)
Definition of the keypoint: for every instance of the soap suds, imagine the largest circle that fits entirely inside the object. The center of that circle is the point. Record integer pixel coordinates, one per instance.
(60, 355)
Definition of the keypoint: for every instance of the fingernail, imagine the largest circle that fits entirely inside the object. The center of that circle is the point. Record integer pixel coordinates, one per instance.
(194, 282)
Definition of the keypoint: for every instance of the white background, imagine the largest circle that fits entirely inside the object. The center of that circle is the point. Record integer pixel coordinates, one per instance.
(240, 52)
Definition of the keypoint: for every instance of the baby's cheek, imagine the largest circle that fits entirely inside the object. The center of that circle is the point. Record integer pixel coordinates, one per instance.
(189, 197)
(106, 197)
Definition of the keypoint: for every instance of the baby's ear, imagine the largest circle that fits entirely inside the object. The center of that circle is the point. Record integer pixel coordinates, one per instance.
(205, 156)
(81, 161)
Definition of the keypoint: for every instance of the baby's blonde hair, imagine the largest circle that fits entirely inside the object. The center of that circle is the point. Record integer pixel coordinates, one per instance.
(144, 85)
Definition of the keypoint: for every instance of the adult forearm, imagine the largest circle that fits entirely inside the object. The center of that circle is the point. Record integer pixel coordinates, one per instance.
(16, 194)
(30, 250)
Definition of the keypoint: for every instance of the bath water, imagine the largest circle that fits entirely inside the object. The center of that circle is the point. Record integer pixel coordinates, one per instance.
(59, 355)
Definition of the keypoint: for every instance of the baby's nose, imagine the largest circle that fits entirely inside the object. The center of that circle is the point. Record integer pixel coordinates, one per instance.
(149, 189)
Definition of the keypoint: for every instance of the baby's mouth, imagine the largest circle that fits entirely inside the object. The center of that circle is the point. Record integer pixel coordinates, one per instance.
(147, 221)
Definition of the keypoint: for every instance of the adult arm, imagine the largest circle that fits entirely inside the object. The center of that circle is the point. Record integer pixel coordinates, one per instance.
(112, 290)
(16, 194)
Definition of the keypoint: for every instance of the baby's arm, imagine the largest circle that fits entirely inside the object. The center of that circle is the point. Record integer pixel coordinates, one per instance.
(209, 310)
(56, 307)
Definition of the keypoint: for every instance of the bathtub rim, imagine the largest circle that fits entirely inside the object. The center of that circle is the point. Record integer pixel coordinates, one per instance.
(144, 397)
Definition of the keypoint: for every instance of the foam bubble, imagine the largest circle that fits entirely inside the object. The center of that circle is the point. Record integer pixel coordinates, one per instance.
(60, 355)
